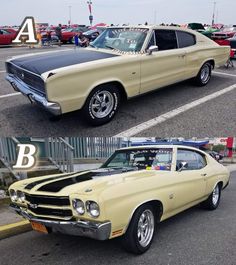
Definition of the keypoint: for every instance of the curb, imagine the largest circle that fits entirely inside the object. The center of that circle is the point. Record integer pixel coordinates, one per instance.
(14, 229)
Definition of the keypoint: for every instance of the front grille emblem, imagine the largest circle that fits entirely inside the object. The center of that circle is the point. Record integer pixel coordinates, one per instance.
(33, 206)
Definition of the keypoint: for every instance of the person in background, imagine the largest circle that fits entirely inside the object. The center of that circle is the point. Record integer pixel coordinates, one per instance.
(49, 38)
(80, 40)
(58, 33)
(39, 38)
(77, 41)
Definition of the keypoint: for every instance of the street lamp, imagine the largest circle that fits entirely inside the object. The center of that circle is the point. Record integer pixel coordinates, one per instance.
(69, 22)
(213, 17)
(90, 12)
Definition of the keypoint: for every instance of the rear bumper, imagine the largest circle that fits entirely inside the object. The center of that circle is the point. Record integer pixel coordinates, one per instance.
(94, 230)
(20, 86)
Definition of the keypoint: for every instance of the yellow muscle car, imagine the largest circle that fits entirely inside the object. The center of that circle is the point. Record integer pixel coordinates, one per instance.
(121, 63)
(127, 197)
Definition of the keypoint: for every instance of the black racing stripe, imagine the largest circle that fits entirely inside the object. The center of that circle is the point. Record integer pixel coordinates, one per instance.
(56, 186)
(42, 63)
(35, 183)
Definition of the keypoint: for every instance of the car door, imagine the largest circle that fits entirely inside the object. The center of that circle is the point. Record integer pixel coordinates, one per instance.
(165, 66)
(190, 181)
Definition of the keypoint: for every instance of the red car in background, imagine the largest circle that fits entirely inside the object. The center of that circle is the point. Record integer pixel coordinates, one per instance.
(7, 36)
(226, 33)
(68, 34)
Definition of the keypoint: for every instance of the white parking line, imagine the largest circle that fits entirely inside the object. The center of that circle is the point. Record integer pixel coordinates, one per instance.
(2, 71)
(169, 115)
(220, 73)
(10, 95)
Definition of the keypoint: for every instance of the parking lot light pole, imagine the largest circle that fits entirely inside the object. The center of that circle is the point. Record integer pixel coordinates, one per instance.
(214, 11)
(90, 12)
(69, 22)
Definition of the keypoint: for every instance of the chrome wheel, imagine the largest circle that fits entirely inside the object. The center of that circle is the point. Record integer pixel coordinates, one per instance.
(205, 73)
(146, 228)
(102, 104)
(216, 195)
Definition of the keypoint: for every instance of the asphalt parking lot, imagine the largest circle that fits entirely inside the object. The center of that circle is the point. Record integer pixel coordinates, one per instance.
(179, 110)
(195, 237)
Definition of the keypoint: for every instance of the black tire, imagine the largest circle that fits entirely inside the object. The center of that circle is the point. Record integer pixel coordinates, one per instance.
(111, 100)
(204, 75)
(212, 203)
(131, 241)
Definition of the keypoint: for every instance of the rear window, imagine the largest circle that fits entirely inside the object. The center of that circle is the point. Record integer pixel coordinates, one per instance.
(185, 39)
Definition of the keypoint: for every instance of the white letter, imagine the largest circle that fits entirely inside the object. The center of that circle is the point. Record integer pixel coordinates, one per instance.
(26, 159)
(26, 32)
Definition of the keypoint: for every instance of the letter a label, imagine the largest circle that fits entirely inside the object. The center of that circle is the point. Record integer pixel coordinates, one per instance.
(27, 32)
(26, 157)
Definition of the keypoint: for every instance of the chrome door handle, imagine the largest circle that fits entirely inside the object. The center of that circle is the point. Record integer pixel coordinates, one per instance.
(204, 175)
(182, 55)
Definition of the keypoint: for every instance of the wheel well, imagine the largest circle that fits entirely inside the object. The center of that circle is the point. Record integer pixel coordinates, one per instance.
(221, 184)
(121, 88)
(158, 208)
(157, 205)
(212, 62)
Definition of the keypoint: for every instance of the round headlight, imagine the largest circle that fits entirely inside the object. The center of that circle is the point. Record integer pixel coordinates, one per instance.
(93, 208)
(13, 195)
(79, 206)
(21, 196)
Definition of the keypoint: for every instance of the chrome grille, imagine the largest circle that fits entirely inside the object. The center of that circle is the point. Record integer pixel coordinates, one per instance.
(51, 212)
(48, 200)
(49, 206)
(35, 82)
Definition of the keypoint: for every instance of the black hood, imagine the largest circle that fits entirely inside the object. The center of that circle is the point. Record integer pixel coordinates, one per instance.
(45, 62)
(60, 182)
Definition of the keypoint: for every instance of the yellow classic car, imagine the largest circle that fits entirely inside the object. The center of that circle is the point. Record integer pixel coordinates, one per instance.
(127, 197)
(121, 63)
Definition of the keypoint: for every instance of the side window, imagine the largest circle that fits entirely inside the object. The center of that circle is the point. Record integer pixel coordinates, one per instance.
(195, 160)
(185, 39)
(152, 41)
(166, 39)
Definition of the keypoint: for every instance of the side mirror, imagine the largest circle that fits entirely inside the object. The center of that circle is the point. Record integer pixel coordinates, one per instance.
(183, 166)
(152, 49)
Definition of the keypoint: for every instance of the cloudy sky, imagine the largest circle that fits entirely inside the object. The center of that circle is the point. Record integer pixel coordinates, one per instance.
(122, 11)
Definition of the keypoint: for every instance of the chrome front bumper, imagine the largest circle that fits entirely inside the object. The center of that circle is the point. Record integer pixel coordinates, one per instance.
(20, 86)
(95, 230)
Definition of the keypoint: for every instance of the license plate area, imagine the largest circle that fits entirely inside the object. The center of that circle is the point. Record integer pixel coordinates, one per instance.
(39, 227)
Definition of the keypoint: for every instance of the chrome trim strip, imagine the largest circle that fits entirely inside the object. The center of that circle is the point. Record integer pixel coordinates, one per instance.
(20, 86)
(95, 230)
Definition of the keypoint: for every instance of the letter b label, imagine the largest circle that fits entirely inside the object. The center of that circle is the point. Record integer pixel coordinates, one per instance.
(26, 156)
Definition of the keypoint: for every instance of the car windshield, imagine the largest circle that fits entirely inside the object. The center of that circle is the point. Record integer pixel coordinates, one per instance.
(122, 39)
(149, 159)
